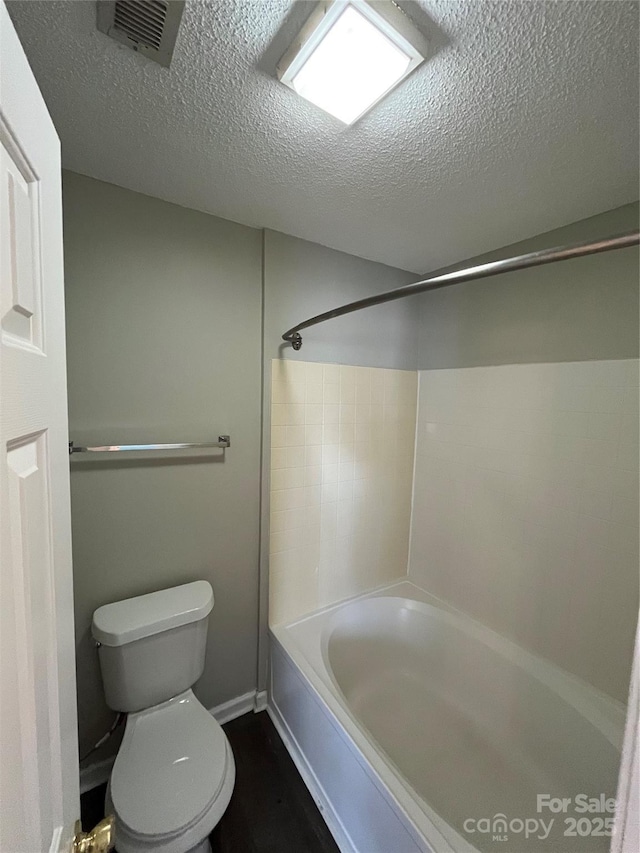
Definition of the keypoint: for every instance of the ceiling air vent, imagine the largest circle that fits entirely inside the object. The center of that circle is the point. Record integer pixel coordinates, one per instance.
(148, 26)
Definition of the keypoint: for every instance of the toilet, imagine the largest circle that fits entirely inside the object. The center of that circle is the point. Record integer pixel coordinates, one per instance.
(174, 773)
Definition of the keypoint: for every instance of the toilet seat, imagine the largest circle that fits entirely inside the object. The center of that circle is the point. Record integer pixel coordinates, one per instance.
(173, 766)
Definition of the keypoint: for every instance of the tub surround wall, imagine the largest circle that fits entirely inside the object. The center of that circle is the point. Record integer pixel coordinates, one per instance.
(525, 507)
(526, 490)
(301, 279)
(155, 297)
(342, 449)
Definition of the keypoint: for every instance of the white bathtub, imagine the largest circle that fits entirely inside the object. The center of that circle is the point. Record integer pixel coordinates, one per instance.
(416, 728)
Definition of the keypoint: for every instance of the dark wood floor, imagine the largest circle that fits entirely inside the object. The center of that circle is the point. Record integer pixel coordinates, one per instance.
(271, 810)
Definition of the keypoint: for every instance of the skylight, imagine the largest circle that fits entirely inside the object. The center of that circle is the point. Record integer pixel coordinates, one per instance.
(350, 58)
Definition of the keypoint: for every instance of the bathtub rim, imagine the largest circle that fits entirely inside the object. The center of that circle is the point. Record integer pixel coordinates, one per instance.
(606, 714)
(603, 711)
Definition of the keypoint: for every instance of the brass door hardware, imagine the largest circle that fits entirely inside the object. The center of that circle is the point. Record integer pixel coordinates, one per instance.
(101, 839)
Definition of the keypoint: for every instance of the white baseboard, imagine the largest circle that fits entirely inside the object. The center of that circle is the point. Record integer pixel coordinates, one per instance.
(234, 708)
(310, 779)
(261, 701)
(98, 773)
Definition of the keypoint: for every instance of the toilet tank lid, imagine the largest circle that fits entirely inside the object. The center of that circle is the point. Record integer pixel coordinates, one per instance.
(134, 618)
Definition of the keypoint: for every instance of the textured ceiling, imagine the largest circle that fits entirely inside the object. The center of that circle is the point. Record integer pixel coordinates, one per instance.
(524, 118)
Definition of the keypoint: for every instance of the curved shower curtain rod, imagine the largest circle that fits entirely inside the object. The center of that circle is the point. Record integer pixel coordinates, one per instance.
(519, 262)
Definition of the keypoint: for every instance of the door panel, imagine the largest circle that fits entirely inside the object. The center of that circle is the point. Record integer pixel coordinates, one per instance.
(20, 251)
(34, 608)
(39, 796)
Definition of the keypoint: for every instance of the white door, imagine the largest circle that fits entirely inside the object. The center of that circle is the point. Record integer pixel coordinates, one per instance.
(39, 797)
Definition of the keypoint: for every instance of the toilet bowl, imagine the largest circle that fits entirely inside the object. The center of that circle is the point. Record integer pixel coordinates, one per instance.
(174, 773)
(172, 779)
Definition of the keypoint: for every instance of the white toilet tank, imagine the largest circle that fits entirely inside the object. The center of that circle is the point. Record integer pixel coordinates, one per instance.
(152, 647)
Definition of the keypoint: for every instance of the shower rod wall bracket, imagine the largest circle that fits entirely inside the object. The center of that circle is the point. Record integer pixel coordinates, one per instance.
(435, 282)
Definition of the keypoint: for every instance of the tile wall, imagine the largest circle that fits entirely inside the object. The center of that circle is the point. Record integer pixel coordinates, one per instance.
(526, 507)
(342, 453)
